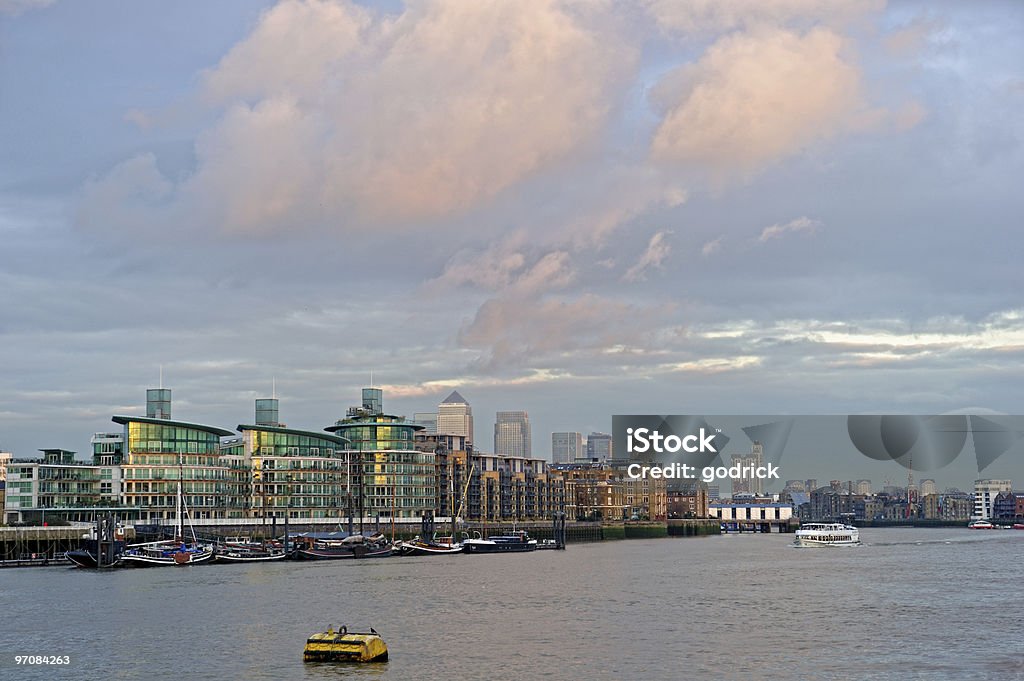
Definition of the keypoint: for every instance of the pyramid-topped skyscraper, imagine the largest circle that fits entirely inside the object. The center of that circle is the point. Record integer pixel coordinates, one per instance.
(455, 416)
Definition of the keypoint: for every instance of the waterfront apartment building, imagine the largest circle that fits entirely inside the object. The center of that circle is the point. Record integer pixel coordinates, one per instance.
(60, 484)
(5, 458)
(479, 486)
(566, 447)
(603, 491)
(512, 436)
(688, 501)
(1005, 506)
(367, 464)
(274, 470)
(455, 417)
(951, 506)
(985, 492)
(396, 479)
(593, 491)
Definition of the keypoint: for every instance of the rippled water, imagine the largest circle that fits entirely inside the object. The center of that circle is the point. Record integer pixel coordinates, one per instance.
(909, 604)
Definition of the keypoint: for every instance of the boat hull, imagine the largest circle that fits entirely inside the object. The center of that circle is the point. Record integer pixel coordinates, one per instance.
(827, 534)
(484, 546)
(345, 553)
(86, 559)
(807, 542)
(418, 549)
(167, 558)
(250, 557)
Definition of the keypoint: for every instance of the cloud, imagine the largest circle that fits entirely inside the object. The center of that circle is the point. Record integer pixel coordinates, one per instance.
(695, 16)
(910, 39)
(711, 247)
(134, 186)
(333, 114)
(755, 98)
(518, 329)
(801, 224)
(657, 250)
(16, 7)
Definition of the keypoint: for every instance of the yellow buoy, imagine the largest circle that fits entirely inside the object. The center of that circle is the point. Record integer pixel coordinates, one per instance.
(345, 646)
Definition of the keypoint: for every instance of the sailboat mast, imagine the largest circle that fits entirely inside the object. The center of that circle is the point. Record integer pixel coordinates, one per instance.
(181, 520)
(451, 493)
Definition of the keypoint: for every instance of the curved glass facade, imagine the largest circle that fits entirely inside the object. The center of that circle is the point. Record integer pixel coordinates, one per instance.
(275, 470)
(396, 479)
(155, 451)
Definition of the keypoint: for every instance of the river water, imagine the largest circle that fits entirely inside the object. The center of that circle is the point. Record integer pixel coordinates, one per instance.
(909, 604)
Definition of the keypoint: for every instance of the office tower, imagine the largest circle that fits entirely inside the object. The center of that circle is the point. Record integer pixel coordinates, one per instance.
(566, 447)
(599, 446)
(455, 416)
(749, 483)
(864, 487)
(427, 419)
(928, 486)
(512, 434)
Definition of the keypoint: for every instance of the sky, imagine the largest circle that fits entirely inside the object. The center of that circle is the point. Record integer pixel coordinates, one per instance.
(577, 209)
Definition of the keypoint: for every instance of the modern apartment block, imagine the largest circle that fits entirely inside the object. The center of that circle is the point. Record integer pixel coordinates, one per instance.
(985, 492)
(479, 486)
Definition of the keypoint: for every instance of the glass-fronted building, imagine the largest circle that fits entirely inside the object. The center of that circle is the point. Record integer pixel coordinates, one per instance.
(155, 449)
(396, 480)
(274, 470)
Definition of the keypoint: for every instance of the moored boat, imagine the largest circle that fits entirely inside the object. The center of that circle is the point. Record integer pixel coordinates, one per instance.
(247, 552)
(827, 534)
(176, 551)
(433, 547)
(85, 557)
(513, 543)
(164, 553)
(354, 546)
(980, 525)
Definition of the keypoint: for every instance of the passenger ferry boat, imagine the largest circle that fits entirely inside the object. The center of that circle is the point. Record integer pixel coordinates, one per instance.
(981, 524)
(827, 534)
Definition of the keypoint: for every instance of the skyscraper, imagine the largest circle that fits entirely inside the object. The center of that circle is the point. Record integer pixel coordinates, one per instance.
(599, 446)
(749, 483)
(427, 419)
(512, 434)
(455, 416)
(566, 447)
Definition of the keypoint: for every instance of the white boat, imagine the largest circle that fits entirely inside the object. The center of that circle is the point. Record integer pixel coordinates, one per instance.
(431, 547)
(827, 534)
(981, 525)
(511, 543)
